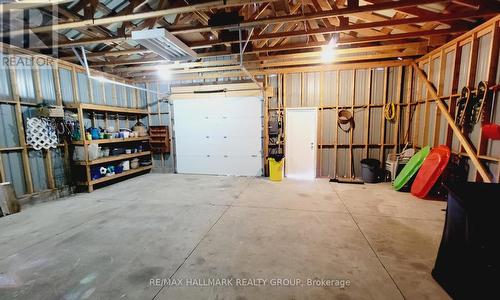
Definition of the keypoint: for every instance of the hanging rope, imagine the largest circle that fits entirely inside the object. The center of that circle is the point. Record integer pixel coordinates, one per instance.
(345, 117)
(390, 111)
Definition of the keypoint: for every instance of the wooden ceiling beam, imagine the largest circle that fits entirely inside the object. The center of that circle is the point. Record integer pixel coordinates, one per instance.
(368, 57)
(84, 42)
(71, 15)
(347, 41)
(357, 26)
(177, 65)
(278, 26)
(315, 68)
(256, 65)
(113, 53)
(374, 17)
(417, 47)
(138, 16)
(418, 11)
(325, 30)
(306, 16)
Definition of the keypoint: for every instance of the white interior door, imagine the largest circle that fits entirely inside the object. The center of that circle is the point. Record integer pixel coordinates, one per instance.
(300, 142)
(218, 135)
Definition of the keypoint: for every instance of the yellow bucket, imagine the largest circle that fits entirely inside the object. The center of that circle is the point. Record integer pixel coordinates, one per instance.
(275, 169)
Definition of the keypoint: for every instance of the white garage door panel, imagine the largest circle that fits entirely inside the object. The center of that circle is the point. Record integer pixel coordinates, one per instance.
(229, 127)
(218, 145)
(242, 127)
(234, 111)
(221, 136)
(213, 127)
(192, 164)
(242, 165)
(219, 165)
(221, 107)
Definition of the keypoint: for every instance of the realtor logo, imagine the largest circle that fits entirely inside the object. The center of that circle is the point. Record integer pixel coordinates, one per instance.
(20, 18)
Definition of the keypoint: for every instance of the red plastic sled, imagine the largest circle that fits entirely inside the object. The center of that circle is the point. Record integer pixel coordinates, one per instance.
(431, 169)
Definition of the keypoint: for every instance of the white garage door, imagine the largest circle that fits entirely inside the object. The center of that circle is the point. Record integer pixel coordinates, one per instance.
(220, 136)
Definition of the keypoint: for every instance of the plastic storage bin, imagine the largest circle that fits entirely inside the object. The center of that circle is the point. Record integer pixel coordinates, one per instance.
(370, 170)
(468, 261)
(276, 167)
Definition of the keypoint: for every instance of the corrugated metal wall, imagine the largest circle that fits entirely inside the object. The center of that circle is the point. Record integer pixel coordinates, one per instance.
(361, 91)
(26, 168)
(430, 125)
(159, 114)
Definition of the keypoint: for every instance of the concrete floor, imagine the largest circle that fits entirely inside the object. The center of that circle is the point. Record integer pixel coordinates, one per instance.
(109, 244)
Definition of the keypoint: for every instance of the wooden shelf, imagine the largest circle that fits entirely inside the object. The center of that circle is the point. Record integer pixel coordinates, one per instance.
(87, 165)
(110, 141)
(106, 108)
(124, 173)
(106, 159)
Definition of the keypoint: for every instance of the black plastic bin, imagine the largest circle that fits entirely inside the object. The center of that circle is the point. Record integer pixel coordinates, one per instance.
(467, 264)
(370, 170)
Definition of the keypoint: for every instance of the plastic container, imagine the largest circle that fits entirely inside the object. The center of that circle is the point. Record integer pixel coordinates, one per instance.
(276, 167)
(117, 151)
(134, 163)
(93, 151)
(140, 129)
(95, 173)
(125, 165)
(95, 133)
(467, 261)
(370, 169)
(125, 133)
(118, 169)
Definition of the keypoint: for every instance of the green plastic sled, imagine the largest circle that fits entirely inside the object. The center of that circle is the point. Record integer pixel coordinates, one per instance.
(411, 168)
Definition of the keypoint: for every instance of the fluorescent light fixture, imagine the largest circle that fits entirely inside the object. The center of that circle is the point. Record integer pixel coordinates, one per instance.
(164, 44)
(328, 53)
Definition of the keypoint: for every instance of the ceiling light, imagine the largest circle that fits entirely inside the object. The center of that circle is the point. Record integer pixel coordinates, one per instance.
(328, 53)
(164, 44)
(163, 72)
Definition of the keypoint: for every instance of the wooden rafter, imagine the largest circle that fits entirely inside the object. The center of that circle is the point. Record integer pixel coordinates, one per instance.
(280, 27)
(280, 60)
(348, 28)
(307, 16)
(380, 37)
(138, 16)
